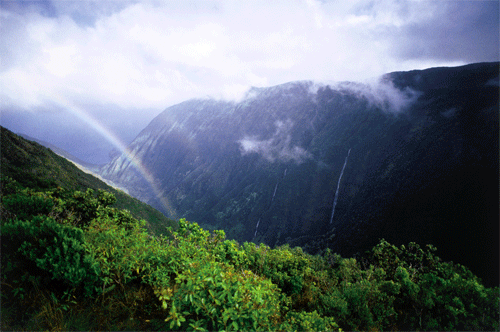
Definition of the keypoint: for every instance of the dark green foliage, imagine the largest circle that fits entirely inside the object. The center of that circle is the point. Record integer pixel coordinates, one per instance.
(308, 321)
(213, 296)
(50, 252)
(85, 205)
(25, 204)
(74, 256)
(286, 267)
(202, 289)
(410, 289)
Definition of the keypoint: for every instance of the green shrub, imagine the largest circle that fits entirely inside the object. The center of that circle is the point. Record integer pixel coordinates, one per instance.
(286, 267)
(430, 294)
(8, 185)
(85, 205)
(25, 205)
(212, 296)
(75, 255)
(43, 249)
(118, 244)
(308, 321)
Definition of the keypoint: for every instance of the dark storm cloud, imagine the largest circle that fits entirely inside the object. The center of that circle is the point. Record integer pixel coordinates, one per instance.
(42, 7)
(86, 13)
(115, 62)
(461, 30)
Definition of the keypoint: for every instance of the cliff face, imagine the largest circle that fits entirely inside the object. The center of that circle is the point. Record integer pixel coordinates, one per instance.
(412, 157)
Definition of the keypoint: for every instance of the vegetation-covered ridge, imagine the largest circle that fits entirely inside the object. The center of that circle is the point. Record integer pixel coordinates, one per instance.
(37, 167)
(67, 256)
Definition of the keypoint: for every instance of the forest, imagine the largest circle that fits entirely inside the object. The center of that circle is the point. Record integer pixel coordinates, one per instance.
(70, 255)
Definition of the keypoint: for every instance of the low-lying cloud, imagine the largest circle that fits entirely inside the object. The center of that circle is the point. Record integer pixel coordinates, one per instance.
(380, 93)
(277, 148)
(383, 94)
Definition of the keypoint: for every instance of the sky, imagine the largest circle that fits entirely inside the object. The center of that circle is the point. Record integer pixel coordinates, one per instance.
(88, 76)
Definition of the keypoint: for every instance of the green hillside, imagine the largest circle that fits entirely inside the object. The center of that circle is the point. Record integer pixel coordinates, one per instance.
(37, 167)
(72, 261)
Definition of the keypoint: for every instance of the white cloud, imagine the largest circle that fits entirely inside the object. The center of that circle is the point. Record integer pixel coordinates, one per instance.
(156, 54)
(383, 94)
(152, 54)
(277, 147)
(62, 60)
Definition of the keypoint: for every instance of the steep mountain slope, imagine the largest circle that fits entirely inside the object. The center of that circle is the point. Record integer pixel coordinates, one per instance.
(37, 167)
(412, 157)
(63, 153)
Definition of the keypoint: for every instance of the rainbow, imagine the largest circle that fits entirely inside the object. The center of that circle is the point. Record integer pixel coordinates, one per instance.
(117, 143)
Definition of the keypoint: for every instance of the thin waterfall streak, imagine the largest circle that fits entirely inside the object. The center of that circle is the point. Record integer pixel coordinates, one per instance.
(274, 194)
(256, 228)
(285, 173)
(338, 186)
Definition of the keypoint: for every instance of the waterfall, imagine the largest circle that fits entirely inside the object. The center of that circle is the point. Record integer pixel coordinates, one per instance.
(338, 186)
(276, 187)
(256, 228)
(274, 194)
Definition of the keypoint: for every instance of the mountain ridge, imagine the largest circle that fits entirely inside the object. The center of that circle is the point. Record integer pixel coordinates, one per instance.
(267, 168)
(38, 167)
(63, 153)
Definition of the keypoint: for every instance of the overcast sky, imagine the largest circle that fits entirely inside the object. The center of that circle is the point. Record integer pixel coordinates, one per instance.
(72, 64)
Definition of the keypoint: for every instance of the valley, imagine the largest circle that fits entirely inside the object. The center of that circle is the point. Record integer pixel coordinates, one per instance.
(298, 185)
(272, 168)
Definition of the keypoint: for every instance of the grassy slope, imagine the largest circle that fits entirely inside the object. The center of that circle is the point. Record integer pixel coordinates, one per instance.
(35, 166)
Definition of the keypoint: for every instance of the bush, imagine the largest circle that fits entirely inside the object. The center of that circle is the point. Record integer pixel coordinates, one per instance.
(25, 205)
(44, 250)
(75, 255)
(308, 321)
(212, 296)
(85, 205)
(286, 267)
(118, 244)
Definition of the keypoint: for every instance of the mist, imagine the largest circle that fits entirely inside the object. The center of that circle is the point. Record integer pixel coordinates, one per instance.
(381, 93)
(276, 148)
